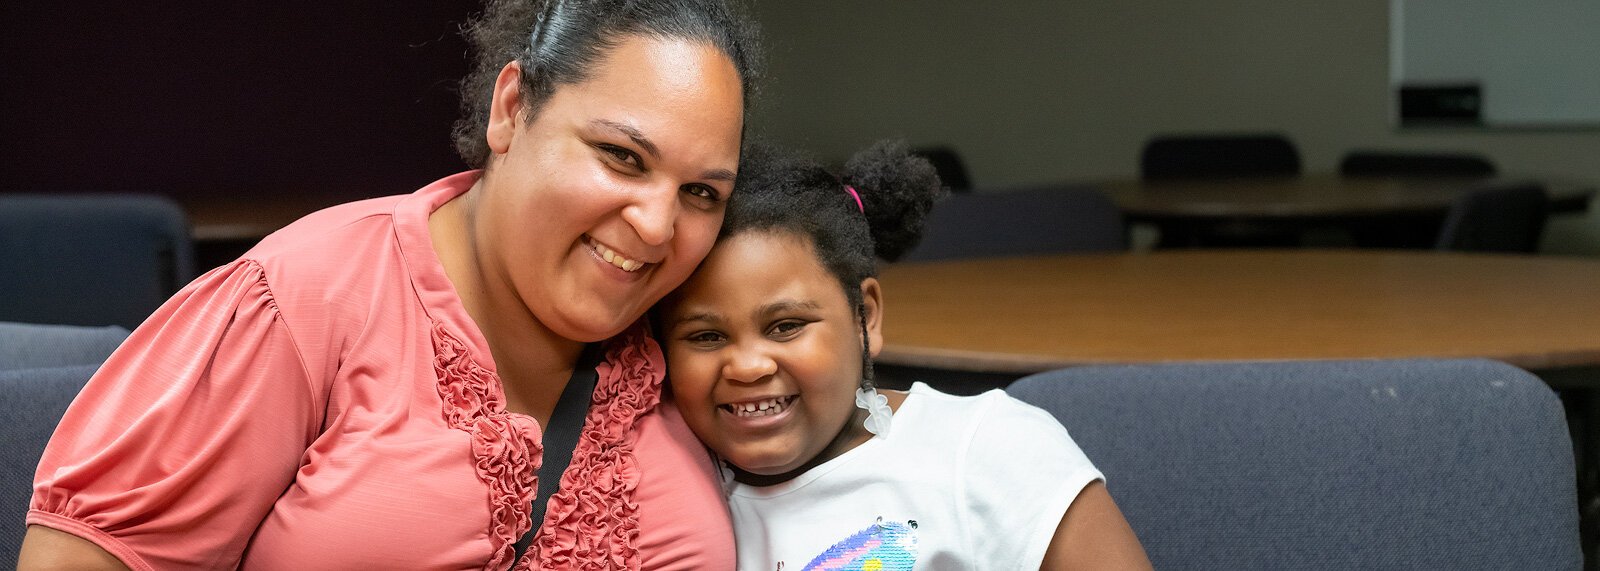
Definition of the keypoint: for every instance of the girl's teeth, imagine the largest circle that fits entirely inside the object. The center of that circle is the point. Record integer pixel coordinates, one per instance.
(762, 408)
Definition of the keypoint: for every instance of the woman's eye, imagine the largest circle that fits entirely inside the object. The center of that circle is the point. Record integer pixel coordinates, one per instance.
(621, 155)
(705, 193)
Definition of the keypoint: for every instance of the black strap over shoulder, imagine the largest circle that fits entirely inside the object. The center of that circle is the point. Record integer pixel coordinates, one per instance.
(560, 435)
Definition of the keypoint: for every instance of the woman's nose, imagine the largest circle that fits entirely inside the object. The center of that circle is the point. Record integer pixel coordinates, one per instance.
(653, 213)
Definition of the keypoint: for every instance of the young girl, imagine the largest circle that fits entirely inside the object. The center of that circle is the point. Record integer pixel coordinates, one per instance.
(769, 350)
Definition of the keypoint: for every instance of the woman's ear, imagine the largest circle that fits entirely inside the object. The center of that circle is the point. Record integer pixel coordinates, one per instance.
(505, 108)
(872, 313)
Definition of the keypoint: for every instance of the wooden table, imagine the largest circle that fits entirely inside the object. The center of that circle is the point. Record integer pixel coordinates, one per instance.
(1025, 315)
(1000, 319)
(1317, 196)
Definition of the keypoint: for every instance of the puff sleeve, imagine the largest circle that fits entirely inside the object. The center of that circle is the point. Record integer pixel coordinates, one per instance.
(180, 444)
(1022, 471)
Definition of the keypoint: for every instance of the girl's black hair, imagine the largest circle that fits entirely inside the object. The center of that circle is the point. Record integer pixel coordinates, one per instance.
(779, 190)
(558, 42)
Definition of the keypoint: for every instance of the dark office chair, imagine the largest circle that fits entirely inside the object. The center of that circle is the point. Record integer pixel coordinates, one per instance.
(1218, 156)
(1435, 464)
(947, 162)
(1411, 163)
(1030, 221)
(90, 259)
(1496, 218)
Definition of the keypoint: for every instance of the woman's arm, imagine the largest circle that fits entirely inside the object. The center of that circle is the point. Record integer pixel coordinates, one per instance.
(175, 450)
(45, 549)
(1094, 535)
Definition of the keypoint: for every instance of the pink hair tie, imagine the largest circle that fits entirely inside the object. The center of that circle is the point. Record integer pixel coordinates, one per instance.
(852, 191)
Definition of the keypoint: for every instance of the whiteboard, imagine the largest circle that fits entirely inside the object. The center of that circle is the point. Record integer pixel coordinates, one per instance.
(1533, 63)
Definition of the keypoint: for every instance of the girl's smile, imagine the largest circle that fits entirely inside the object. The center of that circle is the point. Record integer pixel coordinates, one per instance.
(759, 414)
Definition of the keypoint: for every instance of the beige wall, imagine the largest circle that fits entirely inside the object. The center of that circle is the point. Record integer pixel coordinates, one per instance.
(1042, 90)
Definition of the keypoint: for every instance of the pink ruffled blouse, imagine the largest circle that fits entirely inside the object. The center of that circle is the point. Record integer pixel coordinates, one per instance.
(325, 402)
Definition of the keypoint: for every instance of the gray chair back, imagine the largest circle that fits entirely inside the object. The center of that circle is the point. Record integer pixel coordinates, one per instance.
(1412, 464)
(31, 404)
(1506, 217)
(1021, 222)
(90, 259)
(42, 368)
(32, 346)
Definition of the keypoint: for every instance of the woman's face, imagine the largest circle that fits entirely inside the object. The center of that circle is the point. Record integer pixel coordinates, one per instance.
(764, 355)
(614, 191)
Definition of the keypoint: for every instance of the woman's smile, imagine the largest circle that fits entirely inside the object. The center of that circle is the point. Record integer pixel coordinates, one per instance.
(618, 260)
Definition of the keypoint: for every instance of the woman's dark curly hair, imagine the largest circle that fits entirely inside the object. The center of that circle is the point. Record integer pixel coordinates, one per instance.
(782, 191)
(558, 42)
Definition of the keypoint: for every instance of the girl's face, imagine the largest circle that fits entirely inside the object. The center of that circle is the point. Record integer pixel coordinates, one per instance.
(764, 355)
(614, 191)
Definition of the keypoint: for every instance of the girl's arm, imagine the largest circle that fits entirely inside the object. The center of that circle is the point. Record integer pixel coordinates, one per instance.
(1094, 535)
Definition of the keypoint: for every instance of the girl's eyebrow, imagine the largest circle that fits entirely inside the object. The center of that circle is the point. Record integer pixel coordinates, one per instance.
(704, 316)
(787, 306)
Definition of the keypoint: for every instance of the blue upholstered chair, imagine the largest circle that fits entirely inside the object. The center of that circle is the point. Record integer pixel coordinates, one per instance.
(42, 368)
(33, 346)
(90, 259)
(1019, 222)
(1419, 464)
(31, 404)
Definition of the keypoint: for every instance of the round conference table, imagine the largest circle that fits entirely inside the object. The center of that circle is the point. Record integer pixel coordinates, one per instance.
(1024, 315)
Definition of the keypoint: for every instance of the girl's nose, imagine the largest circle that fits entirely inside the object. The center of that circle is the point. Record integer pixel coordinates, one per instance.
(747, 366)
(653, 213)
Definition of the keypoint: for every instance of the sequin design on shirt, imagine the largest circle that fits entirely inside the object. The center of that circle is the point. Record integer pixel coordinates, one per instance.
(890, 546)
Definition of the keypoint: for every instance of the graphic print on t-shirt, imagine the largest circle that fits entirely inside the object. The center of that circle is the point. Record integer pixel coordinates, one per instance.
(881, 546)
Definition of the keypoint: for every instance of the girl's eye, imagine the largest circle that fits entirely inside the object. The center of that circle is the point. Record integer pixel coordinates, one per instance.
(788, 328)
(704, 338)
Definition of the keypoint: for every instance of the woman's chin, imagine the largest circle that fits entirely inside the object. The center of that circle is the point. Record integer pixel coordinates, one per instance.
(593, 327)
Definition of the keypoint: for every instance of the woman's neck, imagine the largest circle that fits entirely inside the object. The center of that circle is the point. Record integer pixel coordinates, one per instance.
(533, 362)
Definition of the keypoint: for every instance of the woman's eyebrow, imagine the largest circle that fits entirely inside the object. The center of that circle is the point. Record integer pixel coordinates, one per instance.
(638, 138)
(636, 135)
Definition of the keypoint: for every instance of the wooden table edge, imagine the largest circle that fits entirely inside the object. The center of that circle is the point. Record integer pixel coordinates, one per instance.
(1025, 364)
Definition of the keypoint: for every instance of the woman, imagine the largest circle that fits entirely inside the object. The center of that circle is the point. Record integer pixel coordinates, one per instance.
(368, 387)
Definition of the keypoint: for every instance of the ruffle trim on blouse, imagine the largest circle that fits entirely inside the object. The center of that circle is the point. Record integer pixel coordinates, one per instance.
(505, 447)
(592, 522)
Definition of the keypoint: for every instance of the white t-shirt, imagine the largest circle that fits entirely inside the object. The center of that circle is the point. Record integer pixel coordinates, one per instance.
(975, 482)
